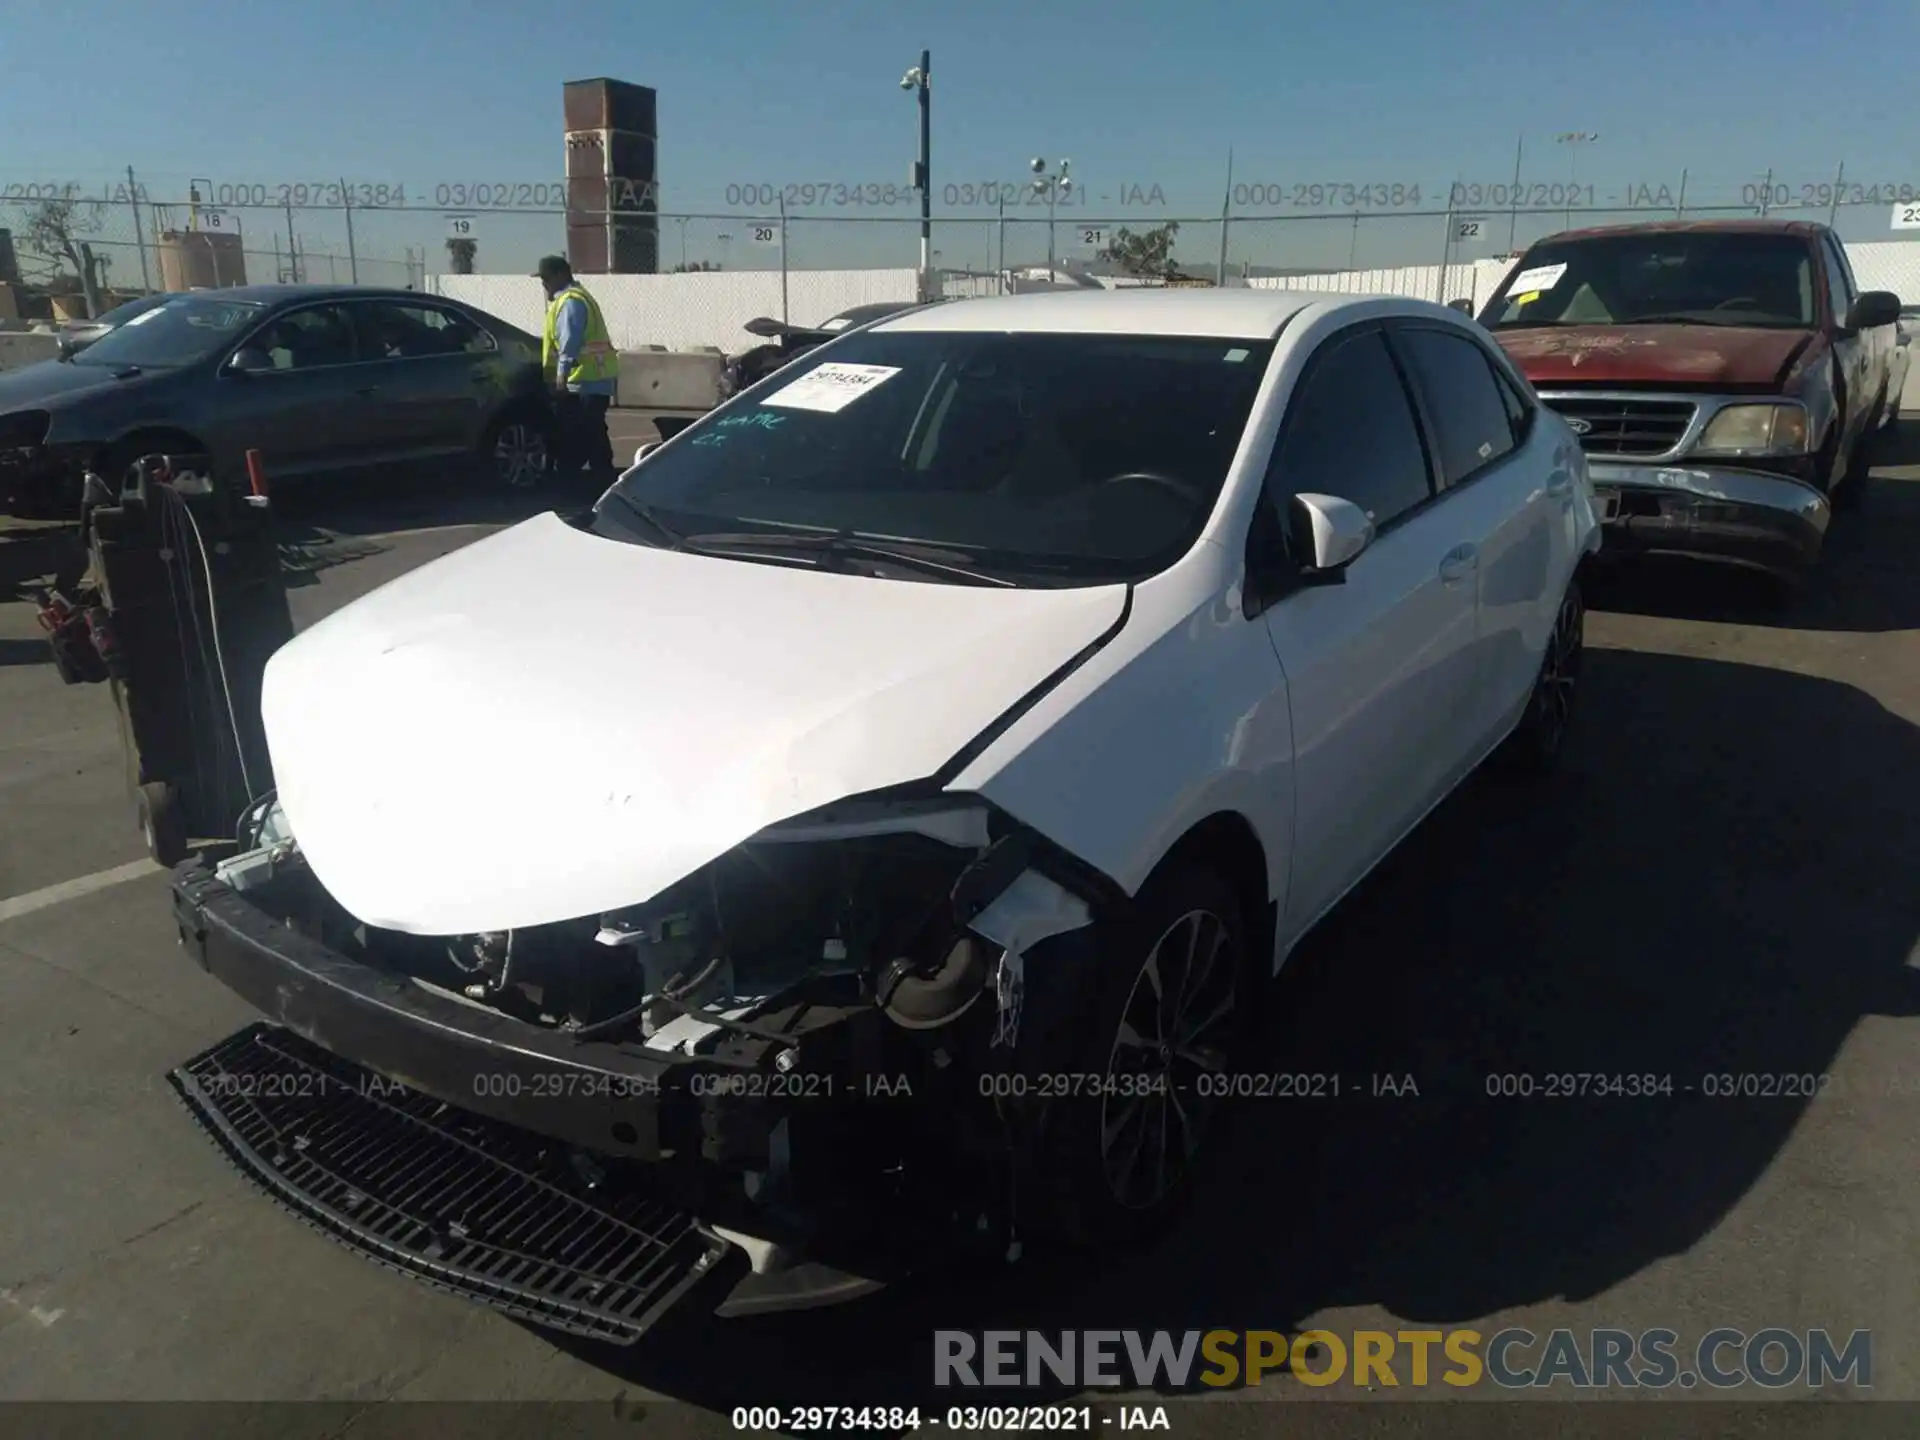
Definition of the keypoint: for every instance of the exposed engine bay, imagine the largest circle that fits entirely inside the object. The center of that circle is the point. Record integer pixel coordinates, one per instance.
(823, 999)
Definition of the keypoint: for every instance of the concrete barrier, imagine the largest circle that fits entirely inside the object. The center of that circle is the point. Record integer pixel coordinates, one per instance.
(25, 348)
(659, 380)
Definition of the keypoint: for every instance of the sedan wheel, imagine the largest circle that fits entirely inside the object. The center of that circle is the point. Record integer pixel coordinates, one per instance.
(1535, 744)
(520, 455)
(1170, 1049)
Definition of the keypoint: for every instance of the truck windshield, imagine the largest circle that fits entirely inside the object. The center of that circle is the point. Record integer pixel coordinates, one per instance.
(1677, 277)
(1042, 458)
(180, 332)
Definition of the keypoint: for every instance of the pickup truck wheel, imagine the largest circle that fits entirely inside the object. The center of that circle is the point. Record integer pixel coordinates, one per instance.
(157, 806)
(1536, 743)
(1137, 1081)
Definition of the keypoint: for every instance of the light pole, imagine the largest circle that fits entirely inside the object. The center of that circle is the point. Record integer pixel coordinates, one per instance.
(1573, 140)
(683, 241)
(919, 80)
(725, 241)
(1052, 184)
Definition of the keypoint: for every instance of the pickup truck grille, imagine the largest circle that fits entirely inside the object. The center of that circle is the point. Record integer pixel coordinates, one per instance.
(1632, 428)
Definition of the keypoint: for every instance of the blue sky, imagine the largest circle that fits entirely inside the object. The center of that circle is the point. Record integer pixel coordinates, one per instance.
(420, 94)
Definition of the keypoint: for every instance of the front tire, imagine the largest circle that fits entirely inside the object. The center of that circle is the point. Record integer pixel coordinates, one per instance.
(1146, 1058)
(1534, 747)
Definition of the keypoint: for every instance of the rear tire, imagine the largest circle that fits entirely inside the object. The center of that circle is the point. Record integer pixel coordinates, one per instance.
(514, 453)
(1160, 1024)
(1535, 746)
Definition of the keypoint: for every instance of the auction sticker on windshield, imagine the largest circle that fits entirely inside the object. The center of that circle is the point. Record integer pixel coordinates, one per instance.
(1540, 277)
(831, 387)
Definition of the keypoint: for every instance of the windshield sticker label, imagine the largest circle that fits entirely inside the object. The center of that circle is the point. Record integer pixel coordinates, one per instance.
(831, 387)
(1540, 277)
(839, 322)
(1526, 299)
(1234, 357)
(145, 315)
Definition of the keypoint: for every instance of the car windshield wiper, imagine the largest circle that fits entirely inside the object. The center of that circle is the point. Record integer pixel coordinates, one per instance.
(927, 560)
(674, 540)
(1682, 317)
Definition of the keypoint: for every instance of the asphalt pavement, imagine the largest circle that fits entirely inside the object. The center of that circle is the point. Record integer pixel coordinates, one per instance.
(1720, 883)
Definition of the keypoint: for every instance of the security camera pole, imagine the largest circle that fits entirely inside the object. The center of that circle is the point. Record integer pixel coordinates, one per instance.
(919, 80)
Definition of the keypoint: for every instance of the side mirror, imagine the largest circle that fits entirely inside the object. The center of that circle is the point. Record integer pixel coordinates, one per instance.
(1874, 308)
(1327, 534)
(1465, 307)
(765, 326)
(248, 360)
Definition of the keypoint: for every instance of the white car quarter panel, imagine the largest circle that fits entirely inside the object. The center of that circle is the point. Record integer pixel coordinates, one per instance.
(1181, 716)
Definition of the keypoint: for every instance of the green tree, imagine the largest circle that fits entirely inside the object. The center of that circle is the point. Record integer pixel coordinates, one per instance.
(55, 229)
(1147, 253)
(697, 267)
(460, 252)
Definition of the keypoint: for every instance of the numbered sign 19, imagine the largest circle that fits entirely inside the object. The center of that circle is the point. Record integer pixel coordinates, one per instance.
(220, 222)
(765, 234)
(460, 227)
(1906, 217)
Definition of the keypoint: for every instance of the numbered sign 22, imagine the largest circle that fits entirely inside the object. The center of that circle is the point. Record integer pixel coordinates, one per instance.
(766, 234)
(1467, 229)
(460, 227)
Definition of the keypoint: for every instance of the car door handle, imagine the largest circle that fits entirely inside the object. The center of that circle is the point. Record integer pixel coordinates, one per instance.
(1458, 563)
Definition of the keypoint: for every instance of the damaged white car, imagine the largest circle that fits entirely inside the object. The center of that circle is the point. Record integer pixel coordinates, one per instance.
(880, 813)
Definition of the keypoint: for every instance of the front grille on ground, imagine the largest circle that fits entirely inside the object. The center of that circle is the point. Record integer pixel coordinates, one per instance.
(1627, 427)
(472, 1206)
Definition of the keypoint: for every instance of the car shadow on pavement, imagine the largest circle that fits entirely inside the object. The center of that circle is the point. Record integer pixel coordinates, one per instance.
(1718, 883)
(25, 652)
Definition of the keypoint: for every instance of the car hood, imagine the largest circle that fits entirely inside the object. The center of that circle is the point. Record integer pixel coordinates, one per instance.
(549, 724)
(50, 381)
(1653, 354)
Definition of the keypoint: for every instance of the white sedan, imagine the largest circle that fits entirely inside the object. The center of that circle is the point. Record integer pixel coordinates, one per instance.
(1018, 678)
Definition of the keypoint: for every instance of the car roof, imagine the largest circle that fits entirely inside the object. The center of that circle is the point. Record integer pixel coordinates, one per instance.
(289, 294)
(1233, 313)
(1692, 227)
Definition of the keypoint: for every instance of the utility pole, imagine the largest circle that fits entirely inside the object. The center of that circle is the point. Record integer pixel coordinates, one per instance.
(920, 80)
(353, 255)
(1513, 195)
(293, 250)
(1839, 183)
(1226, 208)
(139, 229)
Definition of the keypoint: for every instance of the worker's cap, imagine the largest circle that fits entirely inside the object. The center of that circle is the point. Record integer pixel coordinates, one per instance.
(553, 267)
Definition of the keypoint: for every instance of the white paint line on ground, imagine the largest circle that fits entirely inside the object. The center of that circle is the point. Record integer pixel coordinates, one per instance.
(60, 894)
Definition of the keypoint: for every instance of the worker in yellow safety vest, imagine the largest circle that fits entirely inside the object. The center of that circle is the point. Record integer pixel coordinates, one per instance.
(581, 368)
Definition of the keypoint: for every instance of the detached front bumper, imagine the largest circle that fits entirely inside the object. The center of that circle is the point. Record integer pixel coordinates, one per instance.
(1747, 518)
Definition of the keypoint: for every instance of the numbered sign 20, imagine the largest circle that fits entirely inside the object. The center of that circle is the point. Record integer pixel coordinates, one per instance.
(765, 234)
(460, 227)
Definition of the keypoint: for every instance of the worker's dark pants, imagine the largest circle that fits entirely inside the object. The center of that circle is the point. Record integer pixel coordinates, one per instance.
(580, 436)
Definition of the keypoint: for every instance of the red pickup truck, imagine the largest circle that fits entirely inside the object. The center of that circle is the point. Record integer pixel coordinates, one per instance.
(1726, 378)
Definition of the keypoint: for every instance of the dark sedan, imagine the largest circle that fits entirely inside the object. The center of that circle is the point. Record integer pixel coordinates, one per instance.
(320, 379)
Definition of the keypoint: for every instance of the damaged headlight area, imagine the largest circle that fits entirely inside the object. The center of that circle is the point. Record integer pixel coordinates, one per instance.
(914, 914)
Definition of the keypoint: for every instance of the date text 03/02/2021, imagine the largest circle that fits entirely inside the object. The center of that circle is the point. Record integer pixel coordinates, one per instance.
(808, 1419)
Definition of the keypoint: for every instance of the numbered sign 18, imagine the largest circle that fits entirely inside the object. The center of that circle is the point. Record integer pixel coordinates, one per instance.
(766, 234)
(220, 222)
(1906, 217)
(460, 227)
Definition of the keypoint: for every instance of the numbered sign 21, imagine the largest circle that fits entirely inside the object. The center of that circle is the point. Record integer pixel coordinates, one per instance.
(1092, 237)
(460, 227)
(765, 234)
